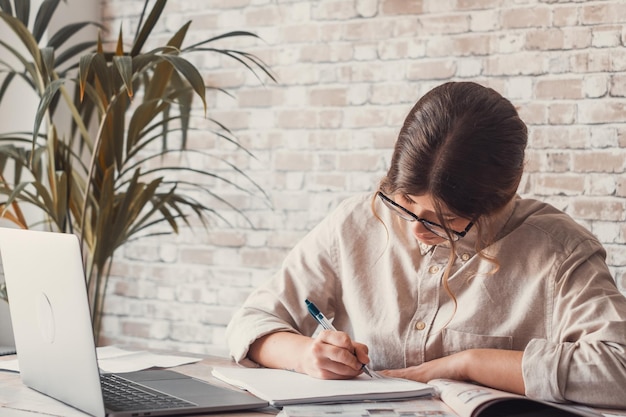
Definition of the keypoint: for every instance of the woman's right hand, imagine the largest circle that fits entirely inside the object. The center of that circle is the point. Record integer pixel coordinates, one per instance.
(333, 355)
(330, 355)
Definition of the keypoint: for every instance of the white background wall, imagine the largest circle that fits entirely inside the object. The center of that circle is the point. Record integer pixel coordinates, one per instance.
(348, 71)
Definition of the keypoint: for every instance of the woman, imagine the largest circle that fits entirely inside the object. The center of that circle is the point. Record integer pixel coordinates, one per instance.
(446, 273)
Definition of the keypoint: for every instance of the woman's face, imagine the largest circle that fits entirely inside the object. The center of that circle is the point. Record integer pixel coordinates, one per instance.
(423, 207)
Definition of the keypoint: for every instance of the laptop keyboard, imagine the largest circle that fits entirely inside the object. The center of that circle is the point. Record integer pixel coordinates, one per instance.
(121, 394)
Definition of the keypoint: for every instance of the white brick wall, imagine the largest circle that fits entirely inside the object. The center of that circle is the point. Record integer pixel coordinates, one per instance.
(348, 72)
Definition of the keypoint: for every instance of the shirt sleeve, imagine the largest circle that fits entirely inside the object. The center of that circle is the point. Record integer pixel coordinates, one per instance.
(277, 305)
(583, 360)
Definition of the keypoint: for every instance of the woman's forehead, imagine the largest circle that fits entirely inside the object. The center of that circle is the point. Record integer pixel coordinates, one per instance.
(426, 202)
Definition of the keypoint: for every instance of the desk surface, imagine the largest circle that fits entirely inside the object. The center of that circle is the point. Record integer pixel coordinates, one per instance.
(17, 400)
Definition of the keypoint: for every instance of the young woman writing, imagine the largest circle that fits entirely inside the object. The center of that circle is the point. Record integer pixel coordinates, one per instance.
(445, 272)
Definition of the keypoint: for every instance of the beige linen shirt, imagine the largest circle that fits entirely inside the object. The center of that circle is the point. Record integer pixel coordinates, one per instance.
(550, 294)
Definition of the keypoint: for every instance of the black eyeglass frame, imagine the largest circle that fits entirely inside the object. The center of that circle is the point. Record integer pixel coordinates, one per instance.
(426, 223)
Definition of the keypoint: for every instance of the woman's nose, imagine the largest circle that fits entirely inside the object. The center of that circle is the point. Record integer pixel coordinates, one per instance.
(418, 228)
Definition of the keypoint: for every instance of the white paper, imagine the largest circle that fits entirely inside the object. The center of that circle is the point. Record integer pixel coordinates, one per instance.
(114, 359)
(430, 407)
(280, 387)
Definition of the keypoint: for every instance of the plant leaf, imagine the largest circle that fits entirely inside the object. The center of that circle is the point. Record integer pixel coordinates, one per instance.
(124, 65)
(22, 11)
(42, 20)
(25, 37)
(191, 73)
(146, 29)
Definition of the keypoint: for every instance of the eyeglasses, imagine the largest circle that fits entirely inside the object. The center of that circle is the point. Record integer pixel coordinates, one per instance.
(435, 228)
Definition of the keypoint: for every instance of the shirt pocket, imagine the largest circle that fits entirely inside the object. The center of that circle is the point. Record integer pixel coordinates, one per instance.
(457, 341)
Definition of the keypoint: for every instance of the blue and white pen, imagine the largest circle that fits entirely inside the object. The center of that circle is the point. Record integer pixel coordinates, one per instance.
(323, 321)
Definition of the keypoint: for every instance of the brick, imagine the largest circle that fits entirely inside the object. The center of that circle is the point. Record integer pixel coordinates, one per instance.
(606, 231)
(333, 10)
(484, 20)
(356, 117)
(596, 14)
(525, 17)
(401, 49)
(523, 63)
(364, 30)
(330, 119)
(545, 39)
(369, 72)
(603, 137)
(394, 7)
(332, 96)
(262, 16)
(326, 53)
(293, 161)
(591, 60)
(617, 59)
(261, 258)
(558, 161)
(361, 162)
(559, 184)
(599, 161)
(303, 74)
(577, 37)
(443, 24)
(562, 88)
(297, 119)
(599, 184)
(477, 4)
(533, 113)
(617, 85)
(595, 86)
(601, 111)
(367, 8)
(602, 209)
(604, 37)
(303, 32)
(431, 70)
(509, 42)
(557, 137)
(259, 98)
(566, 15)
(562, 113)
(616, 255)
(467, 45)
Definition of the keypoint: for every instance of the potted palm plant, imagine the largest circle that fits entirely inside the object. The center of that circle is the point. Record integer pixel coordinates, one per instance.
(112, 177)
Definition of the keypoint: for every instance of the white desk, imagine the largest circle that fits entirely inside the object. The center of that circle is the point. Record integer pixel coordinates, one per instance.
(17, 400)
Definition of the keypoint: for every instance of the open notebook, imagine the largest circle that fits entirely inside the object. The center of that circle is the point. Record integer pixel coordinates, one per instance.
(281, 388)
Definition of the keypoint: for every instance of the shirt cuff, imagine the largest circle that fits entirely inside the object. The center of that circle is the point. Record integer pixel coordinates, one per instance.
(544, 368)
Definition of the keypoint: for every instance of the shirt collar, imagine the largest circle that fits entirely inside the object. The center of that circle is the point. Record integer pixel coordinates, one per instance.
(466, 246)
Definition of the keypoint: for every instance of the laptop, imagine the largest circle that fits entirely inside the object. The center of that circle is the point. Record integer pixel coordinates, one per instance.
(54, 339)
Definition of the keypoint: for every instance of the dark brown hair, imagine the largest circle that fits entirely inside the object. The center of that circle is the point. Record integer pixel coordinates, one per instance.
(463, 144)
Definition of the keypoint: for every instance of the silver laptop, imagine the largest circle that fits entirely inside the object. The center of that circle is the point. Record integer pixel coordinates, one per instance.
(54, 336)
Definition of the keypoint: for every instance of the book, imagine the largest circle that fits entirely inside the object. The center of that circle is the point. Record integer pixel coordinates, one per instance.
(472, 400)
(280, 387)
(455, 399)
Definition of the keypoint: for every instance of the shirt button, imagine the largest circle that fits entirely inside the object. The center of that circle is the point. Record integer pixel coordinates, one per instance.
(465, 256)
(420, 325)
(433, 269)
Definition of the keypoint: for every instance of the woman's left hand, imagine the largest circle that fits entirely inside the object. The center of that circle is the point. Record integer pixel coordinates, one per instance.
(450, 367)
(496, 368)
